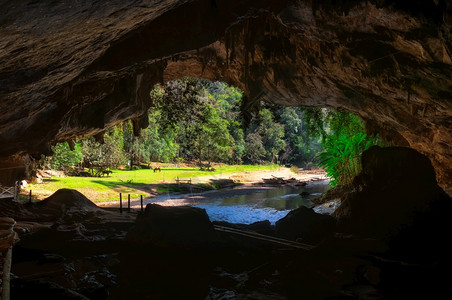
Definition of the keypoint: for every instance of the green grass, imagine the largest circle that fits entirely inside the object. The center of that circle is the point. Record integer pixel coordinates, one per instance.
(133, 182)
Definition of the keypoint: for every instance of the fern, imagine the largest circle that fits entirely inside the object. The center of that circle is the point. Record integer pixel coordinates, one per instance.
(341, 158)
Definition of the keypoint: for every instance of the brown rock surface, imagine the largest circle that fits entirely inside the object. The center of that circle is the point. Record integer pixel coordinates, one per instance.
(76, 68)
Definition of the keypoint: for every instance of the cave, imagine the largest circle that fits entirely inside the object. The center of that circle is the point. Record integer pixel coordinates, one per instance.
(75, 69)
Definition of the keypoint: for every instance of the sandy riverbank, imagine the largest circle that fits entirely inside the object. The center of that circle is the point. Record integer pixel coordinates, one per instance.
(257, 176)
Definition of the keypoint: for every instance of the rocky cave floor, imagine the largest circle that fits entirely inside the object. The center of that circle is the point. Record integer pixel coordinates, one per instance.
(389, 239)
(71, 249)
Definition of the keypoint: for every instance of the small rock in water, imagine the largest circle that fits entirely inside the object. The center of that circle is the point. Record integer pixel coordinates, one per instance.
(304, 194)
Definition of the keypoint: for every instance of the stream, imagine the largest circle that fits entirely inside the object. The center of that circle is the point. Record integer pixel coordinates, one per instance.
(249, 205)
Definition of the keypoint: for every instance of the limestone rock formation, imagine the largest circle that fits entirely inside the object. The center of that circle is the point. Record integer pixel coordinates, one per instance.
(76, 68)
(396, 199)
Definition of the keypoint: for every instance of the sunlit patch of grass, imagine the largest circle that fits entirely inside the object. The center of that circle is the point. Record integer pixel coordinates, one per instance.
(133, 182)
(169, 189)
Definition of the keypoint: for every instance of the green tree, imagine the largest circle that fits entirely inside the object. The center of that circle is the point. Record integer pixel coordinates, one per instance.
(271, 132)
(187, 109)
(63, 157)
(153, 144)
(160, 144)
(179, 101)
(113, 148)
(301, 148)
(238, 147)
(109, 154)
(254, 148)
(93, 156)
(227, 100)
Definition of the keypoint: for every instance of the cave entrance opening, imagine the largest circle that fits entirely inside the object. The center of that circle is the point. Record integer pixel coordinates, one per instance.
(212, 121)
(300, 138)
(205, 126)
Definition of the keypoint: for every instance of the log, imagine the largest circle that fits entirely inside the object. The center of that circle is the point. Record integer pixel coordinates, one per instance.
(262, 237)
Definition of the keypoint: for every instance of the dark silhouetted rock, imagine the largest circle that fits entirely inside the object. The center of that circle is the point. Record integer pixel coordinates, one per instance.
(42, 290)
(179, 227)
(396, 199)
(304, 194)
(303, 223)
(262, 227)
(60, 203)
(66, 199)
(333, 194)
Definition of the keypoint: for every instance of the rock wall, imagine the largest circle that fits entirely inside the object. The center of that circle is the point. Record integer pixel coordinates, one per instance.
(396, 199)
(76, 68)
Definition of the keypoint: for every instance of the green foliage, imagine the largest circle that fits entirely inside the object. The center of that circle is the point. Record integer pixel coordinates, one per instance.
(315, 120)
(272, 134)
(93, 156)
(254, 148)
(265, 138)
(228, 99)
(194, 113)
(301, 147)
(109, 154)
(341, 158)
(238, 147)
(211, 141)
(343, 140)
(325, 122)
(113, 148)
(194, 119)
(153, 144)
(179, 101)
(63, 157)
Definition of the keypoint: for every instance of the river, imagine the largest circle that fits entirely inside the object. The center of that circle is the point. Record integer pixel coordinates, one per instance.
(247, 205)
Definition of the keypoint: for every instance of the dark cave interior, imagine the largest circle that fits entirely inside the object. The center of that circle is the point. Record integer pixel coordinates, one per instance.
(76, 69)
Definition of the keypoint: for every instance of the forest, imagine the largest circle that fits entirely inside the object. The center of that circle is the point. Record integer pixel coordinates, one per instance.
(201, 121)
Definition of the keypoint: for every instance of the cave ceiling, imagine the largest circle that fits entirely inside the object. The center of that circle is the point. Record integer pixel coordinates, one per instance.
(76, 68)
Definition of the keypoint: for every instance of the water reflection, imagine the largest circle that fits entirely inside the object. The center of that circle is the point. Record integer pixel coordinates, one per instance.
(272, 204)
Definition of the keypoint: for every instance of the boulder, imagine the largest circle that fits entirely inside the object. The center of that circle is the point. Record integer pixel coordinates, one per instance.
(8, 237)
(7, 223)
(303, 223)
(68, 199)
(174, 227)
(63, 201)
(262, 227)
(396, 199)
(333, 194)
